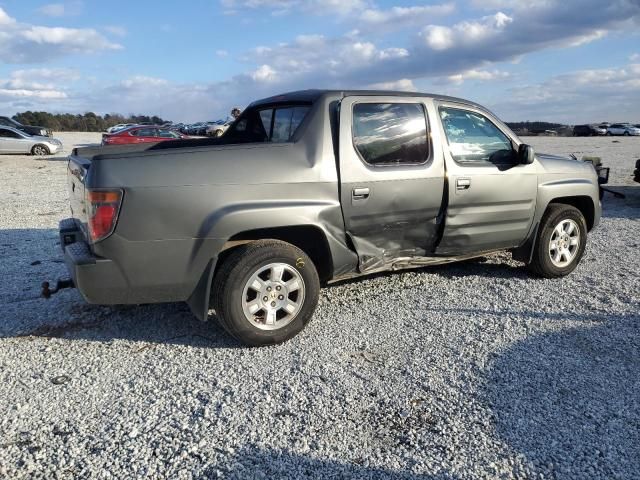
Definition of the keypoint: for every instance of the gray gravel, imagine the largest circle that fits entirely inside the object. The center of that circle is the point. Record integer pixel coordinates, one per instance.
(473, 370)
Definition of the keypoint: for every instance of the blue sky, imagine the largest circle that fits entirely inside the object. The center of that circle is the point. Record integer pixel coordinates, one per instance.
(571, 61)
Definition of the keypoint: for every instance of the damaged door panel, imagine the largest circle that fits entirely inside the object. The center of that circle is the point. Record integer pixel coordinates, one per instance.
(392, 179)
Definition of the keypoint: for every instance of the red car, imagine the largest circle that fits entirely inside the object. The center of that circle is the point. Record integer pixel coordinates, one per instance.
(141, 134)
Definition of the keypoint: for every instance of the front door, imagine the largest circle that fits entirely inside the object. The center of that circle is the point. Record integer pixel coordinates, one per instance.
(12, 142)
(491, 195)
(391, 178)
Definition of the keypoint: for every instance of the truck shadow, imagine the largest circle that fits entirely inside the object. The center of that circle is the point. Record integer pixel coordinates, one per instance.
(626, 208)
(255, 462)
(569, 400)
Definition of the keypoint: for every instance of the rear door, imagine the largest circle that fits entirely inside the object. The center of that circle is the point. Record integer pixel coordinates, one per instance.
(391, 178)
(491, 198)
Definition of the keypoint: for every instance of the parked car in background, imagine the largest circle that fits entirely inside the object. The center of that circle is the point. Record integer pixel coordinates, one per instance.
(13, 140)
(120, 126)
(28, 129)
(588, 130)
(217, 128)
(636, 172)
(141, 134)
(625, 129)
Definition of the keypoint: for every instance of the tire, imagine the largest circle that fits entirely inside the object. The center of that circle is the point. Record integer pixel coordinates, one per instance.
(217, 133)
(39, 150)
(608, 134)
(249, 276)
(569, 220)
(626, 134)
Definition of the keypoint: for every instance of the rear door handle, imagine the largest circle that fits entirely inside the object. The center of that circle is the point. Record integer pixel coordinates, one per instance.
(360, 193)
(463, 183)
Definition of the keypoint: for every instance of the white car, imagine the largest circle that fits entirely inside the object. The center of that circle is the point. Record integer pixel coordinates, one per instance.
(13, 140)
(625, 129)
(120, 126)
(217, 129)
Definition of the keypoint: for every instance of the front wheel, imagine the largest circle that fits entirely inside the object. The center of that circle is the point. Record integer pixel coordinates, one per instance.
(265, 292)
(39, 150)
(626, 134)
(561, 241)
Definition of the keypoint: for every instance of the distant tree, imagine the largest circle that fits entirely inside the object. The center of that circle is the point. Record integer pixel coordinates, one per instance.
(88, 122)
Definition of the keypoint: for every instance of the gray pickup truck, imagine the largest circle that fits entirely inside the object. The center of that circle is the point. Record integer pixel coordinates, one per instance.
(311, 187)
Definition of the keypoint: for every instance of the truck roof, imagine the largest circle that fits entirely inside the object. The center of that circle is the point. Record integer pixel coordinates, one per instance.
(311, 96)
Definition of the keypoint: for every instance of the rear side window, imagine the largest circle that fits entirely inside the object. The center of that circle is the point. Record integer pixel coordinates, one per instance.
(391, 133)
(167, 134)
(273, 124)
(144, 132)
(8, 134)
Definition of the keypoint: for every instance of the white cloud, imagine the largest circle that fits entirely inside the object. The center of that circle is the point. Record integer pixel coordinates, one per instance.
(61, 9)
(480, 75)
(24, 93)
(264, 73)
(222, 53)
(465, 33)
(143, 82)
(404, 85)
(634, 57)
(116, 30)
(52, 10)
(282, 7)
(42, 84)
(569, 98)
(401, 17)
(25, 43)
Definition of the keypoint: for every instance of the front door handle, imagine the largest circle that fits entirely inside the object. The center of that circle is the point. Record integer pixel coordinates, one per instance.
(360, 193)
(463, 183)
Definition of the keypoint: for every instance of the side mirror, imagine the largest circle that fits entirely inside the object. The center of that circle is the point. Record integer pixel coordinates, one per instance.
(526, 155)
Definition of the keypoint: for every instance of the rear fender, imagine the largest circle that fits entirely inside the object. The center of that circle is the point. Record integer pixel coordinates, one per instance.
(232, 221)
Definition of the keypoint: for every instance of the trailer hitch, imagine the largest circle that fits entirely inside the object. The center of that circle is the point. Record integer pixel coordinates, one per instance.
(61, 284)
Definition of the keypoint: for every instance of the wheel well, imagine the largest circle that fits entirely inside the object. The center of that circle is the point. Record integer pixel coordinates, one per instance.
(308, 238)
(582, 203)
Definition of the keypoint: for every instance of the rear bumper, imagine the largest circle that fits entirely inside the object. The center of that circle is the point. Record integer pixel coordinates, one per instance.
(99, 280)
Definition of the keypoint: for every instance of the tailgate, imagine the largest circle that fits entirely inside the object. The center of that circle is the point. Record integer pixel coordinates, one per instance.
(76, 173)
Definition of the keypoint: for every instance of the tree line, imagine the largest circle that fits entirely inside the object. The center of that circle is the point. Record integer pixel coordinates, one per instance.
(88, 122)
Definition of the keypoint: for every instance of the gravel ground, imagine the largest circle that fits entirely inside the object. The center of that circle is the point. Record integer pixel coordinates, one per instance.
(473, 370)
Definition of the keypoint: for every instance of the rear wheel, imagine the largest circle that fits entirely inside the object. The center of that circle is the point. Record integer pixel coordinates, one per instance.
(265, 292)
(626, 134)
(561, 241)
(217, 133)
(39, 150)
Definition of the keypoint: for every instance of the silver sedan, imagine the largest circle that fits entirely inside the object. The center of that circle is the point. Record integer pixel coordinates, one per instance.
(16, 141)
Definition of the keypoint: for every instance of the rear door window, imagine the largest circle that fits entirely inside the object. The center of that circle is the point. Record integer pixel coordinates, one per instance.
(391, 133)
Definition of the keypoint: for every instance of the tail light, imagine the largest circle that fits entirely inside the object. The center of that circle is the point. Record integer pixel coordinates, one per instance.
(103, 207)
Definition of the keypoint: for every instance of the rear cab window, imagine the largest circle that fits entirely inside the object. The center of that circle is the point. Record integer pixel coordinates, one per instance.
(271, 124)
